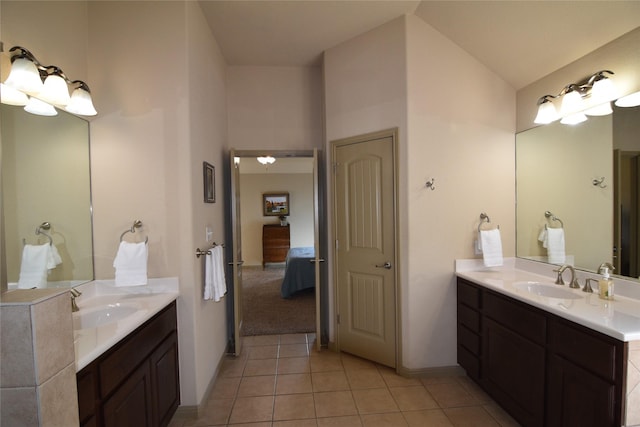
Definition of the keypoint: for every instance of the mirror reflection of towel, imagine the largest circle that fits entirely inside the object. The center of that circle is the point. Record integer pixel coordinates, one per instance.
(131, 264)
(553, 240)
(36, 261)
(491, 247)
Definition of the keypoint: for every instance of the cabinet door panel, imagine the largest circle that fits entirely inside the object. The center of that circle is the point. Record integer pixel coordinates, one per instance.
(513, 369)
(521, 318)
(578, 398)
(164, 370)
(130, 405)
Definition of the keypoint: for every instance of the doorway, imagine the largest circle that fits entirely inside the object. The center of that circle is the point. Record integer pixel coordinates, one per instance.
(261, 306)
(365, 224)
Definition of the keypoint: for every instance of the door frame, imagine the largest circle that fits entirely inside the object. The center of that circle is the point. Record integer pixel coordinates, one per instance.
(319, 227)
(386, 133)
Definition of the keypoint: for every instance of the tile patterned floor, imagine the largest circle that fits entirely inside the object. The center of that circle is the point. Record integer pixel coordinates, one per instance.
(281, 380)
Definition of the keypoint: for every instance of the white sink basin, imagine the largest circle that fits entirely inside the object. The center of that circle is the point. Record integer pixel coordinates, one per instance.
(547, 290)
(95, 317)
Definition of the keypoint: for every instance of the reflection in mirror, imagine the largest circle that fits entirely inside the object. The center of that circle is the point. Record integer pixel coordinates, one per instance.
(46, 179)
(587, 176)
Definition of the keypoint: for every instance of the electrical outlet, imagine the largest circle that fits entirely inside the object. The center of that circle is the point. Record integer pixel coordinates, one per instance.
(208, 233)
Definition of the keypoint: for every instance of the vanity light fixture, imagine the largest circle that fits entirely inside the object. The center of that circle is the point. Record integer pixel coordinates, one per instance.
(591, 97)
(631, 100)
(43, 87)
(266, 160)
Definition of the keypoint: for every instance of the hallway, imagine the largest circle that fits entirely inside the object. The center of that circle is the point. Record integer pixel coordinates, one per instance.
(281, 380)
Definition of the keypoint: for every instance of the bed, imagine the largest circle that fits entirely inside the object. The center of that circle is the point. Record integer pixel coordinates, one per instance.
(299, 271)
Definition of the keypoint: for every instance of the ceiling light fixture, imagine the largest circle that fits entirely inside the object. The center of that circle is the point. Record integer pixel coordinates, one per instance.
(31, 84)
(266, 160)
(591, 97)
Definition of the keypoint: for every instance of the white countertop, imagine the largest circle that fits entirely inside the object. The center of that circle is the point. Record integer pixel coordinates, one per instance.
(147, 301)
(619, 318)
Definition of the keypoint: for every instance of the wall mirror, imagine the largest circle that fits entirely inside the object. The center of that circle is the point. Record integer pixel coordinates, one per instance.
(46, 178)
(587, 176)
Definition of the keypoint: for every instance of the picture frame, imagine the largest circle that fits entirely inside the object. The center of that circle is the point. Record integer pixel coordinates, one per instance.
(209, 179)
(276, 204)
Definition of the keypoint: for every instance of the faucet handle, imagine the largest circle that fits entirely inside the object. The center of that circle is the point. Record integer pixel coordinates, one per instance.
(559, 278)
(587, 285)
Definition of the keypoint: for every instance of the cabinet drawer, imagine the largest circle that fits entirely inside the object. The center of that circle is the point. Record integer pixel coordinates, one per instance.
(136, 348)
(469, 318)
(593, 351)
(469, 340)
(520, 318)
(468, 294)
(469, 362)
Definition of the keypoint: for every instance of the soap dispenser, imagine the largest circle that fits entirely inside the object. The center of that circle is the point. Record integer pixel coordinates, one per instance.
(605, 285)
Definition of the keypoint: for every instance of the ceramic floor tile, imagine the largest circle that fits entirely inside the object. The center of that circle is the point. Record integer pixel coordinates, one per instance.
(225, 388)
(374, 401)
(232, 367)
(263, 352)
(293, 339)
(329, 381)
(352, 362)
(346, 421)
(293, 384)
(427, 418)
(263, 385)
(294, 407)
(394, 380)
(295, 423)
(334, 404)
(261, 340)
(252, 409)
(474, 389)
(294, 365)
(413, 398)
(364, 378)
(293, 350)
(449, 395)
(325, 361)
(260, 367)
(216, 412)
(394, 419)
(470, 416)
(500, 415)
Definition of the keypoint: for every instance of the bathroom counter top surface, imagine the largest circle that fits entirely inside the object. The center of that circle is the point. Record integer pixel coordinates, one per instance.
(619, 318)
(141, 303)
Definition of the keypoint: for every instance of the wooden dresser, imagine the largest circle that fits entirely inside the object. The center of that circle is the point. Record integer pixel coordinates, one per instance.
(275, 243)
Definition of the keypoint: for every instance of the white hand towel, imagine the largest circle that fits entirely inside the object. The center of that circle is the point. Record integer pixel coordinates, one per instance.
(131, 264)
(33, 268)
(555, 246)
(491, 247)
(219, 280)
(54, 258)
(208, 276)
(543, 237)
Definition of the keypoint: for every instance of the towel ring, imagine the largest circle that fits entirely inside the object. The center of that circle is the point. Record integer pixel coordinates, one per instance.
(483, 217)
(136, 224)
(548, 215)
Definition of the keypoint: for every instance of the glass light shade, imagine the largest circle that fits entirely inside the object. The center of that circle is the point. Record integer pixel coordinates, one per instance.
(600, 110)
(12, 96)
(631, 100)
(603, 91)
(81, 103)
(55, 91)
(571, 103)
(24, 76)
(266, 160)
(547, 113)
(41, 108)
(573, 119)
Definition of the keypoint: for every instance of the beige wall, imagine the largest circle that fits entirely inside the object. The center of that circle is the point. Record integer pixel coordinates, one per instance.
(622, 56)
(274, 107)
(161, 100)
(456, 124)
(252, 187)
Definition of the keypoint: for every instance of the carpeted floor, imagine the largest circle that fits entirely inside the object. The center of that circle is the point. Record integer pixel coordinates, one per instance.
(266, 312)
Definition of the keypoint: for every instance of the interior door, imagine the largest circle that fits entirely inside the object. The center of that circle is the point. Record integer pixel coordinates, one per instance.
(365, 203)
(316, 244)
(237, 261)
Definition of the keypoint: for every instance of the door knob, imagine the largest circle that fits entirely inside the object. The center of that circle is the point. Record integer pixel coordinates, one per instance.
(386, 265)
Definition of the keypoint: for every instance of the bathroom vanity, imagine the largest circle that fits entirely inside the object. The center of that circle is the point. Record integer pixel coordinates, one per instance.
(549, 355)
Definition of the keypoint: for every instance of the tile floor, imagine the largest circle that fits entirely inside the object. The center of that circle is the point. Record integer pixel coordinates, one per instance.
(281, 380)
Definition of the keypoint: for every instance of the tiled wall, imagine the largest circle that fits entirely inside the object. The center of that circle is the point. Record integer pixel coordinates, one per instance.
(37, 360)
(633, 385)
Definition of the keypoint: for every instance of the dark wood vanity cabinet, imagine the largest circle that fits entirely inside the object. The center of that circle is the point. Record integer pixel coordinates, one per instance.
(544, 370)
(276, 241)
(135, 383)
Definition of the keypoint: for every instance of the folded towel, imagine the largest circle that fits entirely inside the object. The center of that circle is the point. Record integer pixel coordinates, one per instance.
(215, 286)
(54, 258)
(131, 264)
(491, 247)
(555, 246)
(34, 265)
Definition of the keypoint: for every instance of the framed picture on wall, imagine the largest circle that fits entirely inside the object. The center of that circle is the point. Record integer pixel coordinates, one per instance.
(275, 204)
(209, 175)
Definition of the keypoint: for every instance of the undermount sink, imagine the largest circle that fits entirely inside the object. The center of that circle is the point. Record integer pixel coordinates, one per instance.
(546, 290)
(93, 318)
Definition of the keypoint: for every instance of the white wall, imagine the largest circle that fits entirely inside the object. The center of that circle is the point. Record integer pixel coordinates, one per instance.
(456, 123)
(252, 187)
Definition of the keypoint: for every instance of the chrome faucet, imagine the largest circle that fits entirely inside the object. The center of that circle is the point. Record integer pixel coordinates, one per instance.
(573, 283)
(587, 285)
(607, 265)
(74, 294)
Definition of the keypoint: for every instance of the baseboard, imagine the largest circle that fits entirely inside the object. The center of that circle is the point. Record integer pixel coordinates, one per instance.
(193, 412)
(431, 372)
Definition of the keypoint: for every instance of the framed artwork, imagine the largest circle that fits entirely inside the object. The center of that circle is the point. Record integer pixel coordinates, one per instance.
(275, 204)
(209, 176)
